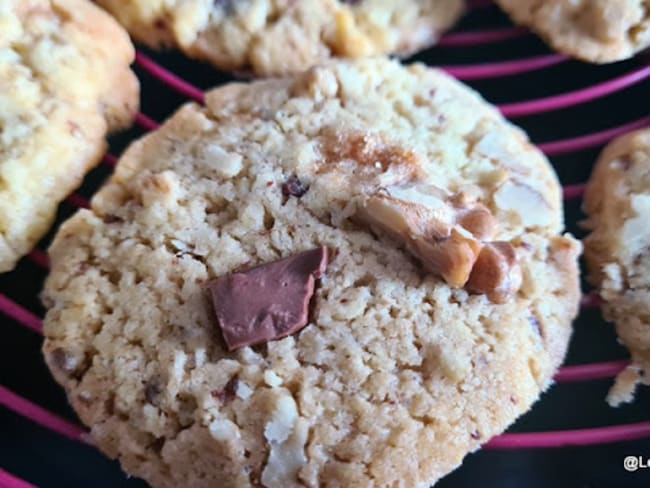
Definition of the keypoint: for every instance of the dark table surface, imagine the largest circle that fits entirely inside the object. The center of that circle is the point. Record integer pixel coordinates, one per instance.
(48, 460)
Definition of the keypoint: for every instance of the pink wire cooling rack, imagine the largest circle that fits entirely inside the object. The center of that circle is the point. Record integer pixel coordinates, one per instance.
(635, 74)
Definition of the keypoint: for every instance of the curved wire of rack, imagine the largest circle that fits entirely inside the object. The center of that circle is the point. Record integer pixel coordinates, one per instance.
(584, 372)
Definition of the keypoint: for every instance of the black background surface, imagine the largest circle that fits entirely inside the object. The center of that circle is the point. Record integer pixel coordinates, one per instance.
(48, 460)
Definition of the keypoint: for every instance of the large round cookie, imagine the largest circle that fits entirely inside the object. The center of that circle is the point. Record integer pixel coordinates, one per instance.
(617, 201)
(280, 37)
(64, 83)
(599, 31)
(398, 375)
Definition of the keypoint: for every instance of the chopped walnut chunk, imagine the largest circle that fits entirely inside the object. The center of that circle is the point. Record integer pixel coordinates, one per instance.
(449, 234)
(452, 257)
(496, 272)
(479, 221)
(399, 217)
(524, 201)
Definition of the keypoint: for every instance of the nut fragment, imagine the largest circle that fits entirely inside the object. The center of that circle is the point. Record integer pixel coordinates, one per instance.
(452, 257)
(531, 207)
(447, 234)
(496, 272)
(478, 220)
(400, 218)
(286, 434)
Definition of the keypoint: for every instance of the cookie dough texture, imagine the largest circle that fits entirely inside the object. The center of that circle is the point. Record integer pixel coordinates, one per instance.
(274, 37)
(396, 377)
(618, 250)
(598, 31)
(64, 83)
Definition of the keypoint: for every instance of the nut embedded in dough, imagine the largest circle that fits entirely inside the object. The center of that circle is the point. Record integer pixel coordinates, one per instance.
(496, 272)
(447, 234)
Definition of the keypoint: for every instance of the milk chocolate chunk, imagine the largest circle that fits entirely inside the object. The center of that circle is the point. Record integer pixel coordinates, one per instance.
(267, 302)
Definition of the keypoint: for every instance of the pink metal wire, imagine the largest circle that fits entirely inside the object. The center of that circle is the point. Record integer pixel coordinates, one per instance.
(20, 314)
(488, 70)
(39, 415)
(595, 371)
(40, 258)
(573, 192)
(587, 141)
(169, 78)
(504, 68)
(469, 72)
(575, 437)
(110, 159)
(145, 122)
(78, 201)
(8, 480)
(556, 102)
(590, 300)
(481, 36)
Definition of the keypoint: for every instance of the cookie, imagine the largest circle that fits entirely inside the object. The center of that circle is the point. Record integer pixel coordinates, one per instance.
(598, 31)
(275, 38)
(617, 250)
(409, 354)
(64, 83)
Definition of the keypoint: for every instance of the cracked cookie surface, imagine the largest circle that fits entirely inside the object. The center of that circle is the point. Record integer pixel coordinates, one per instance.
(64, 83)
(599, 31)
(275, 37)
(617, 201)
(398, 374)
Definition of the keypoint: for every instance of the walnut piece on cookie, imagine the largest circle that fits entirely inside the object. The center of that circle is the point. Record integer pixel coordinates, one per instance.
(598, 31)
(65, 83)
(617, 202)
(397, 375)
(446, 237)
(286, 36)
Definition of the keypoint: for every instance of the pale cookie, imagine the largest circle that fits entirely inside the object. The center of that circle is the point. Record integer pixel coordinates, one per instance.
(397, 375)
(279, 37)
(598, 31)
(64, 83)
(617, 201)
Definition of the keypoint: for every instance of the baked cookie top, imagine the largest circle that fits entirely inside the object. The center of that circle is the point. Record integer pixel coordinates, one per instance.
(285, 36)
(617, 202)
(398, 374)
(599, 31)
(64, 83)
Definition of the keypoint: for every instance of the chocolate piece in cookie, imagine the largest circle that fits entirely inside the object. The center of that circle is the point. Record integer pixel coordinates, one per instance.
(267, 302)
